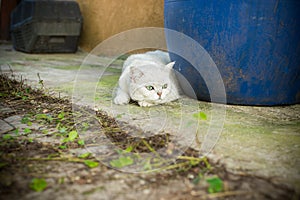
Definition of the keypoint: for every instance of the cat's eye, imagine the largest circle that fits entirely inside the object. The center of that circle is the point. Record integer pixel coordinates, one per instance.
(149, 87)
(164, 86)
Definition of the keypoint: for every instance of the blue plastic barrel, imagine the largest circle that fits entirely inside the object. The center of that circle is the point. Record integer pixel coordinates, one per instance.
(254, 43)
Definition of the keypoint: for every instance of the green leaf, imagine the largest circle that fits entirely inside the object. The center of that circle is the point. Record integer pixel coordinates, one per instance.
(44, 117)
(128, 149)
(81, 142)
(16, 131)
(30, 140)
(62, 147)
(85, 126)
(38, 184)
(194, 162)
(147, 165)
(72, 136)
(27, 130)
(121, 162)
(25, 120)
(84, 155)
(200, 115)
(7, 137)
(61, 180)
(27, 90)
(65, 140)
(61, 115)
(62, 129)
(41, 116)
(24, 97)
(91, 164)
(215, 185)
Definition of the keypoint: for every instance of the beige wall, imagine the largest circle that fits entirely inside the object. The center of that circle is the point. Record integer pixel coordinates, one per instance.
(105, 18)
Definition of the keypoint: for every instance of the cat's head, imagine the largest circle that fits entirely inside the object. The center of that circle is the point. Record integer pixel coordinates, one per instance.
(151, 83)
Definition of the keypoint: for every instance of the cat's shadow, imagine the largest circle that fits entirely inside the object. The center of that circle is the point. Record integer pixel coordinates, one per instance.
(132, 102)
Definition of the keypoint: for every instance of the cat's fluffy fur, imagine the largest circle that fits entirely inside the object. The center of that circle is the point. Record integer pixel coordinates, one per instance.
(148, 79)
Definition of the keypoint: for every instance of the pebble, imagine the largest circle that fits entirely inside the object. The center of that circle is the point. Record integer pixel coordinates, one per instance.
(45, 111)
(142, 182)
(191, 176)
(146, 191)
(153, 180)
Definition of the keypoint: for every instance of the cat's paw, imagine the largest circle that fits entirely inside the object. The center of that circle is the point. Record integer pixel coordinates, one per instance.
(145, 104)
(121, 99)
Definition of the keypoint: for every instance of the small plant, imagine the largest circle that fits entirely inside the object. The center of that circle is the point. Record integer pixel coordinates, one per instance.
(30, 140)
(62, 130)
(147, 164)
(38, 184)
(200, 115)
(21, 95)
(7, 137)
(129, 149)
(17, 131)
(41, 81)
(91, 164)
(84, 155)
(215, 185)
(80, 142)
(85, 126)
(26, 120)
(61, 115)
(27, 130)
(45, 117)
(122, 161)
(62, 147)
(71, 137)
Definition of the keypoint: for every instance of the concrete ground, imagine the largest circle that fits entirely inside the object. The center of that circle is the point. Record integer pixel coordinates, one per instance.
(258, 141)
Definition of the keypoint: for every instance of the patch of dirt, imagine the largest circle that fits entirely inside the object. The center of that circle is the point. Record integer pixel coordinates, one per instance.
(24, 157)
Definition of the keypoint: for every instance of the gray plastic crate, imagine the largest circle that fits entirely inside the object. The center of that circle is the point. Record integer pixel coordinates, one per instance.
(46, 26)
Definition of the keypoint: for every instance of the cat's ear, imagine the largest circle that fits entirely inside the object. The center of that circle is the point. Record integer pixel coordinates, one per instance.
(135, 73)
(170, 65)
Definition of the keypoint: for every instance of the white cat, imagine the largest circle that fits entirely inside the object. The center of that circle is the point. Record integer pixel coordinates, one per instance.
(148, 79)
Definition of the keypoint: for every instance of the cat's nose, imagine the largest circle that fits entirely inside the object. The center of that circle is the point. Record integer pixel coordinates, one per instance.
(159, 93)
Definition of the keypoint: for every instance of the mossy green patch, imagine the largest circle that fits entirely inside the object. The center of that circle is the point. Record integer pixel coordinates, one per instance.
(32, 58)
(66, 67)
(108, 81)
(114, 70)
